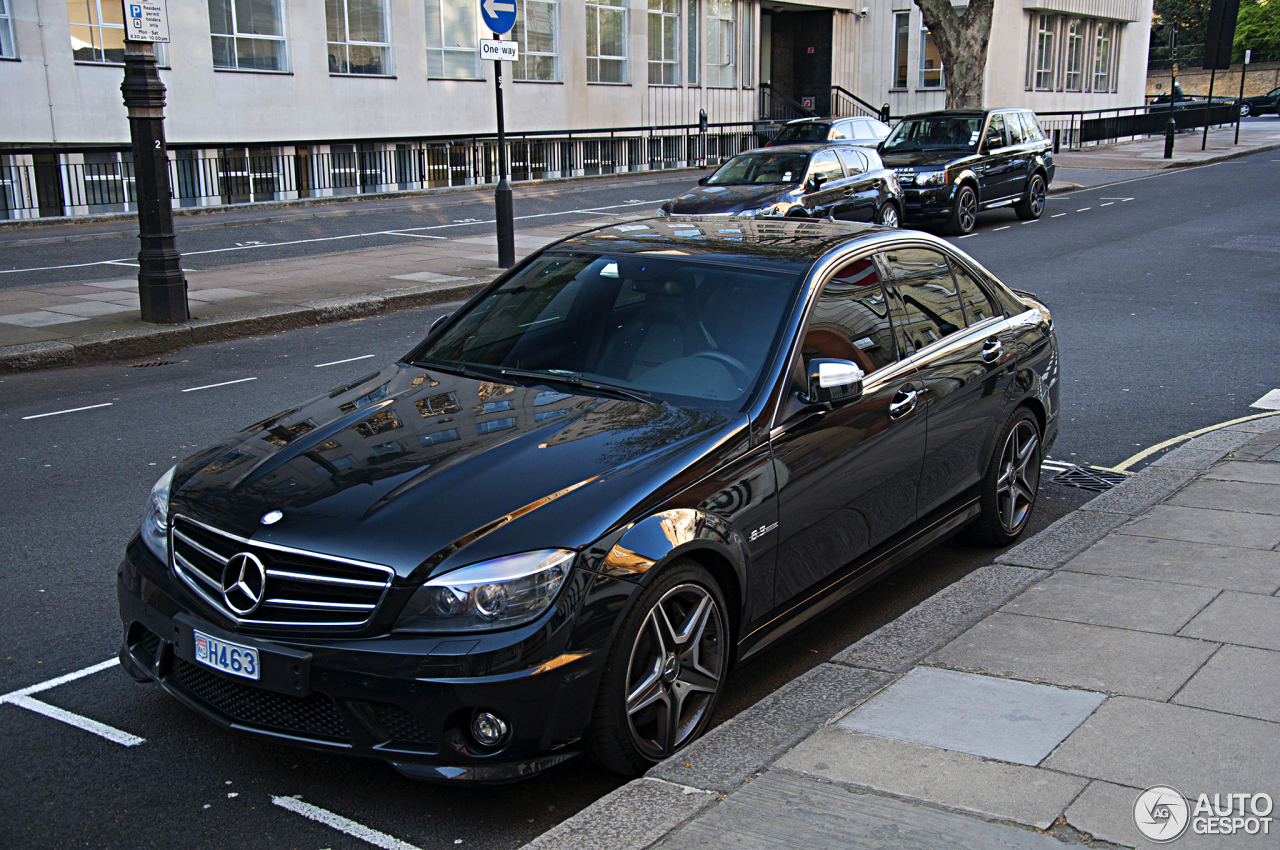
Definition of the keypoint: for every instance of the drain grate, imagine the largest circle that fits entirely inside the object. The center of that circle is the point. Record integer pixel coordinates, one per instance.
(1097, 480)
(151, 364)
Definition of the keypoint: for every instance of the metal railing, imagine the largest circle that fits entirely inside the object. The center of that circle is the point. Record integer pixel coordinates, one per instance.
(780, 106)
(1075, 129)
(846, 104)
(63, 185)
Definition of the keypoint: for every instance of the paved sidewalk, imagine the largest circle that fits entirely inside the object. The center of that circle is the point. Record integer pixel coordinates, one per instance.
(1134, 643)
(61, 325)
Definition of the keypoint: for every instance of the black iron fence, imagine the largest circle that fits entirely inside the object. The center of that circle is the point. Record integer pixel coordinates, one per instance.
(86, 183)
(1074, 130)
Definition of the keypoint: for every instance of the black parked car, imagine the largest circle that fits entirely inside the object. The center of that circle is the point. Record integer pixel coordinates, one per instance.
(639, 458)
(811, 180)
(856, 131)
(953, 164)
(1262, 104)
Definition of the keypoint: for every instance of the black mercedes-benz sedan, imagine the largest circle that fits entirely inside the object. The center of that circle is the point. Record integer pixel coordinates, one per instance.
(811, 180)
(639, 458)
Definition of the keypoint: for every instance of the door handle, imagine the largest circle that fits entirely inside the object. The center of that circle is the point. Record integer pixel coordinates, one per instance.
(992, 349)
(848, 192)
(902, 404)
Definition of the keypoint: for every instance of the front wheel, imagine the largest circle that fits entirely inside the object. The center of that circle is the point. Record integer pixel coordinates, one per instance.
(1245, 110)
(965, 213)
(1032, 204)
(1012, 482)
(665, 672)
(888, 215)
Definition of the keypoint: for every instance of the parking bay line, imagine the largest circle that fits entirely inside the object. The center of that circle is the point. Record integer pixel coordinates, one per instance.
(338, 822)
(223, 384)
(23, 699)
(68, 410)
(348, 360)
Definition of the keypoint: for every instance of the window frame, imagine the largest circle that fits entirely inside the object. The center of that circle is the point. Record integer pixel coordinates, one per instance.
(520, 71)
(693, 43)
(346, 43)
(901, 50)
(1075, 34)
(896, 287)
(1043, 77)
(8, 39)
(798, 368)
(442, 49)
(662, 63)
(282, 39)
(925, 37)
(717, 71)
(1103, 54)
(620, 61)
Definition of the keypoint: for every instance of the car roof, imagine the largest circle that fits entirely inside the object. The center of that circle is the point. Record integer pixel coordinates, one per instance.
(964, 113)
(781, 243)
(812, 119)
(793, 147)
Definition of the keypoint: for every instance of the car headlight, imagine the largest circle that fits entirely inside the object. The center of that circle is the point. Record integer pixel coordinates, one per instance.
(765, 210)
(155, 520)
(493, 594)
(931, 178)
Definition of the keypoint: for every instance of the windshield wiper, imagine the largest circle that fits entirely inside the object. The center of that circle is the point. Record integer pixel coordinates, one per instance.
(453, 368)
(573, 379)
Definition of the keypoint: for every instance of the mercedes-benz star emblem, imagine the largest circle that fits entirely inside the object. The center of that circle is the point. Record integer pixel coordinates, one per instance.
(272, 517)
(243, 581)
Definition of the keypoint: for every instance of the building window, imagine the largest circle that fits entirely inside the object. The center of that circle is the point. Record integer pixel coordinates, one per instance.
(721, 34)
(606, 41)
(901, 44)
(453, 34)
(748, 30)
(7, 49)
(1102, 58)
(664, 42)
(931, 76)
(1073, 79)
(359, 42)
(692, 42)
(537, 31)
(1046, 24)
(247, 35)
(97, 30)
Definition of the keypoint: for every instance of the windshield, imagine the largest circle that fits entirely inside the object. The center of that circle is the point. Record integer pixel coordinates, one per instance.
(665, 329)
(806, 132)
(935, 133)
(761, 167)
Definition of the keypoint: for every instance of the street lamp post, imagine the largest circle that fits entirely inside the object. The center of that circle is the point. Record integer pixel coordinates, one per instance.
(502, 201)
(1171, 126)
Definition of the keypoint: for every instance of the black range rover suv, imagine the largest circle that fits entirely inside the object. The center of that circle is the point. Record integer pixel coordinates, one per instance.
(954, 163)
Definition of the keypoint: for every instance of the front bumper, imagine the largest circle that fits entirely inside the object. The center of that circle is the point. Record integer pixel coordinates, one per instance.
(405, 699)
(933, 203)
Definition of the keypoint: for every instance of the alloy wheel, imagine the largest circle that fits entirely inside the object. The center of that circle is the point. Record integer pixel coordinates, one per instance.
(968, 211)
(675, 669)
(889, 215)
(1037, 194)
(1019, 476)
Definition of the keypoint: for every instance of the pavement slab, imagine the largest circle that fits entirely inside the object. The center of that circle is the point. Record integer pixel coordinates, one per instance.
(1189, 458)
(993, 789)
(1142, 491)
(1243, 496)
(630, 818)
(1237, 470)
(1140, 743)
(1245, 619)
(1103, 659)
(1105, 811)
(782, 810)
(1237, 680)
(1225, 567)
(1063, 540)
(1124, 603)
(1198, 525)
(981, 715)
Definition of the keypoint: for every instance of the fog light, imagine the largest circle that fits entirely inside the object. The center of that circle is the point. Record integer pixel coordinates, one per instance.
(488, 729)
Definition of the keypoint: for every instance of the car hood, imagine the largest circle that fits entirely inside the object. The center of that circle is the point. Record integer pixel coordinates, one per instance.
(702, 200)
(909, 159)
(425, 472)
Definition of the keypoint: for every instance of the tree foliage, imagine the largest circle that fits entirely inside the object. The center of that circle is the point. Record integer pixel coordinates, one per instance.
(1190, 19)
(961, 40)
(1258, 29)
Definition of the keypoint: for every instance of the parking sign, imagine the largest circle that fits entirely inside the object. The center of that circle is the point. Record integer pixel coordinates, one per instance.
(146, 20)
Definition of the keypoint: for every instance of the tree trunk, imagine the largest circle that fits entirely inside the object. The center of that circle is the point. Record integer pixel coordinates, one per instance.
(962, 44)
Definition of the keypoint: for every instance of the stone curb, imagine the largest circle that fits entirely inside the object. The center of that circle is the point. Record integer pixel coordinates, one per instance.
(644, 811)
(1222, 157)
(149, 340)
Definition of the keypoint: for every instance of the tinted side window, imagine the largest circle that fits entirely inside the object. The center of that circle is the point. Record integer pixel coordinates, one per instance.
(995, 130)
(825, 162)
(1031, 127)
(853, 162)
(850, 320)
(1015, 129)
(840, 130)
(930, 303)
(977, 307)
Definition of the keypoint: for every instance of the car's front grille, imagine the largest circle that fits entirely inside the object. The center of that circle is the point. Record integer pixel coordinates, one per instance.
(314, 715)
(402, 727)
(301, 588)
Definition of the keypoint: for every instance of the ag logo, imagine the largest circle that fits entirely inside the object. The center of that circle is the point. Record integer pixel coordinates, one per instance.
(1160, 813)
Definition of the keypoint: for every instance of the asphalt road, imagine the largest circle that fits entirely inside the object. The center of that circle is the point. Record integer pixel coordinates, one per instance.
(1161, 332)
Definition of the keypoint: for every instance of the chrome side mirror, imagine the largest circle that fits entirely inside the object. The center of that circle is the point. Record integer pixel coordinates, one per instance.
(815, 182)
(833, 381)
(437, 323)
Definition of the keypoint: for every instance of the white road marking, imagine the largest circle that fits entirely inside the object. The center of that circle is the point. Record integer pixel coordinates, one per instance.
(61, 680)
(1270, 401)
(338, 822)
(1116, 199)
(1033, 221)
(1086, 209)
(348, 360)
(1006, 227)
(223, 384)
(414, 235)
(970, 236)
(69, 410)
(102, 730)
(1107, 204)
(121, 263)
(1059, 215)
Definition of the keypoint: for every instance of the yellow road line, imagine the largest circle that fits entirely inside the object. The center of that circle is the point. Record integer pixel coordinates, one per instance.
(1124, 466)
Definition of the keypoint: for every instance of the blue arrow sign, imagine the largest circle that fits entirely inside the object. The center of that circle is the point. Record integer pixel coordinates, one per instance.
(499, 15)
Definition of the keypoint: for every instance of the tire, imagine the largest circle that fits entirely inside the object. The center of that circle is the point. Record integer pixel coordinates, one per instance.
(1012, 482)
(964, 214)
(888, 215)
(1245, 109)
(662, 679)
(1031, 206)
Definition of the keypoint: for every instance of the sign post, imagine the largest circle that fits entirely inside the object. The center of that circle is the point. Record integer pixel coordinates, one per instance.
(1248, 54)
(500, 16)
(162, 288)
(1217, 49)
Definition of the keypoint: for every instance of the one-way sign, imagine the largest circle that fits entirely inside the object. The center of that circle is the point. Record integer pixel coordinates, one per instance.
(499, 51)
(499, 15)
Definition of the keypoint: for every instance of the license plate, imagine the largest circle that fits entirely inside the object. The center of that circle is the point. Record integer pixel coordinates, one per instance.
(228, 657)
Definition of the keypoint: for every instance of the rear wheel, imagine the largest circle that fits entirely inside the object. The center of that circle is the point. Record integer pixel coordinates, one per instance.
(888, 215)
(1032, 203)
(1245, 109)
(964, 215)
(665, 672)
(1012, 482)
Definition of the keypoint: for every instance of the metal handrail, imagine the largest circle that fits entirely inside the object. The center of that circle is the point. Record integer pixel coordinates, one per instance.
(867, 109)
